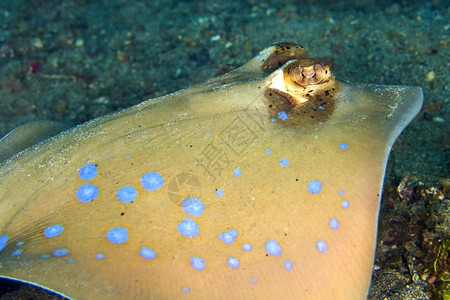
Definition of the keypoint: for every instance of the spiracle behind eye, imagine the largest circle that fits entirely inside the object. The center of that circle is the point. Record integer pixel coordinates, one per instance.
(308, 75)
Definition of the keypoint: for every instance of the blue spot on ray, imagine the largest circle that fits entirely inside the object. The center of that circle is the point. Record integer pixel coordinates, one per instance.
(233, 262)
(117, 235)
(273, 248)
(268, 151)
(345, 204)
(19, 244)
(193, 206)
(284, 162)
(254, 281)
(322, 246)
(126, 194)
(70, 261)
(334, 223)
(341, 192)
(188, 228)
(147, 253)
(219, 192)
(288, 265)
(229, 236)
(247, 247)
(343, 146)
(3, 240)
(197, 263)
(315, 186)
(17, 252)
(237, 172)
(100, 256)
(86, 193)
(152, 181)
(45, 256)
(53, 231)
(88, 171)
(283, 115)
(61, 252)
(186, 290)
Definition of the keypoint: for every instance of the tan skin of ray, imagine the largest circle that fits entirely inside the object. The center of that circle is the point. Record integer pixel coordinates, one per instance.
(268, 201)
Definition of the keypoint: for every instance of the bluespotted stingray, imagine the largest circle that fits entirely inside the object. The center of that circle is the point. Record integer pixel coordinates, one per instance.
(261, 183)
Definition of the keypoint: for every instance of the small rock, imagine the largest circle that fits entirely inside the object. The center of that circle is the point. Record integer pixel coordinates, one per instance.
(37, 43)
(430, 76)
(79, 42)
(215, 38)
(121, 56)
(438, 120)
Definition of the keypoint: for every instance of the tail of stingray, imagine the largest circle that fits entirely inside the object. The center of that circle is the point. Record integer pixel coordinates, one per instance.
(262, 183)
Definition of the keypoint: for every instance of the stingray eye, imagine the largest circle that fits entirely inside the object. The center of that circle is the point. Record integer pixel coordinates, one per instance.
(302, 80)
(308, 75)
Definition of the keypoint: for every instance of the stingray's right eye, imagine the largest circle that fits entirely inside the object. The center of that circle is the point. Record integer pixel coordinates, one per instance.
(308, 74)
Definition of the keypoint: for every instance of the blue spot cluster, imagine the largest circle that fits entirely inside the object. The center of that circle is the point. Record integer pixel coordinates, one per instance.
(87, 193)
(88, 171)
(229, 236)
(152, 181)
(233, 262)
(53, 231)
(197, 263)
(193, 206)
(284, 162)
(315, 186)
(117, 235)
(61, 252)
(283, 115)
(334, 223)
(147, 253)
(188, 228)
(126, 194)
(273, 248)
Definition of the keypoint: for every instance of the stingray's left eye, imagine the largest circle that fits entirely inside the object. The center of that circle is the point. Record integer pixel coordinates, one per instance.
(308, 75)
